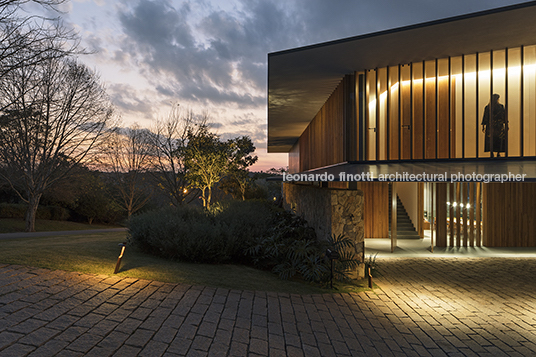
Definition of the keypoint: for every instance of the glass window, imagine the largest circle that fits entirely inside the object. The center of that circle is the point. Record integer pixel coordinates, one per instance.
(529, 97)
(513, 102)
(430, 119)
(394, 86)
(457, 105)
(371, 115)
(485, 144)
(417, 98)
(443, 108)
(382, 113)
(470, 107)
(406, 117)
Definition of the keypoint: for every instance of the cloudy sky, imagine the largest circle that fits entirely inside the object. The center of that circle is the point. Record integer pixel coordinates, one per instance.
(211, 55)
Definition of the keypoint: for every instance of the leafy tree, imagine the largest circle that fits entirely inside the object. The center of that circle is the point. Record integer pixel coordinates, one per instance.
(206, 161)
(54, 114)
(93, 201)
(238, 179)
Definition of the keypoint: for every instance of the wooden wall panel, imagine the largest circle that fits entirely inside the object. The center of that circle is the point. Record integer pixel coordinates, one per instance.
(322, 142)
(376, 208)
(418, 128)
(394, 125)
(294, 159)
(405, 125)
(441, 214)
(420, 208)
(339, 185)
(443, 128)
(430, 120)
(462, 222)
(510, 214)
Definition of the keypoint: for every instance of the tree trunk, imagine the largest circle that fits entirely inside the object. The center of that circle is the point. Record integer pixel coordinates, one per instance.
(209, 197)
(243, 192)
(203, 196)
(31, 212)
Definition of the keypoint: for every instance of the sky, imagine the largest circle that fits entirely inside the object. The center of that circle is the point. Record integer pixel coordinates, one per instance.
(210, 56)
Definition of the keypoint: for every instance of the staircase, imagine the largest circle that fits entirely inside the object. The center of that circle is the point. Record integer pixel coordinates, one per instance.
(404, 227)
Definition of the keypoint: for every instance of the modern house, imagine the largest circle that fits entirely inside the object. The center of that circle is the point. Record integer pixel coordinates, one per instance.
(406, 117)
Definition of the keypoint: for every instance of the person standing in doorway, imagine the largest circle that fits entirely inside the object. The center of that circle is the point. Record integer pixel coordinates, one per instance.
(494, 127)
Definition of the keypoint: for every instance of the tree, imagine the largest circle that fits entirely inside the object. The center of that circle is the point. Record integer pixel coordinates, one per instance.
(168, 162)
(206, 161)
(54, 114)
(31, 39)
(238, 178)
(94, 202)
(126, 155)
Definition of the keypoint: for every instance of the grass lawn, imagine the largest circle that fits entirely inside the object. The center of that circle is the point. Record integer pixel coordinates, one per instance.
(13, 225)
(97, 254)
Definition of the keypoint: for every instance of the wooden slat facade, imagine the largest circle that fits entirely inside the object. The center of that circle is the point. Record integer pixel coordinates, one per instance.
(459, 224)
(415, 122)
(331, 137)
(510, 210)
(376, 210)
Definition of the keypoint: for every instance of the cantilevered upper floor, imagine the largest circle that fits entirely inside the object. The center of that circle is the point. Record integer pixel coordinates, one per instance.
(416, 93)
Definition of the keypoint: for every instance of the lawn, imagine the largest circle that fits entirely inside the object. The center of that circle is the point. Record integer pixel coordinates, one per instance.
(12, 225)
(97, 254)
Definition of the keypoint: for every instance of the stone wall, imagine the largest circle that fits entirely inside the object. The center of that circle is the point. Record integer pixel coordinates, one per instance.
(329, 211)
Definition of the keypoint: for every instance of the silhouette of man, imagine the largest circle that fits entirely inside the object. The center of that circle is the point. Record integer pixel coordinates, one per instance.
(494, 127)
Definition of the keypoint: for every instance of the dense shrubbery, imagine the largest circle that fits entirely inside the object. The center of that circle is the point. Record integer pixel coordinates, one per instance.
(18, 210)
(291, 248)
(242, 231)
(190, 233)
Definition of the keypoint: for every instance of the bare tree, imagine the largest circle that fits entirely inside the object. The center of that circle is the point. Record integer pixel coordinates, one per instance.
(126, 156)
(169, 140)
(29, 39)
(54, 113)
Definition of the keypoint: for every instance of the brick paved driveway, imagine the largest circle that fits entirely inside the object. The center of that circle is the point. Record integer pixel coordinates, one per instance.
(426, 306)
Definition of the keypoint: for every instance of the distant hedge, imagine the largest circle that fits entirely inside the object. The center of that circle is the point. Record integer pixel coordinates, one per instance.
(18, 210)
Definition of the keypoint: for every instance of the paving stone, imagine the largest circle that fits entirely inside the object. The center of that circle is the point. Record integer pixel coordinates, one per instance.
(8, 338)
(114, 340)
(453, 309)
(28, 326)
(39, 336)
(140, 338)
(259, 347)
(127, 351)
(49, 349)
(180, 345)
(154, 349)
(17, 350)
(84, 343)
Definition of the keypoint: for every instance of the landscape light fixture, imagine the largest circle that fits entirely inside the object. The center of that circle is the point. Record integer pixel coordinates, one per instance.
(332, 255)
(118, 264)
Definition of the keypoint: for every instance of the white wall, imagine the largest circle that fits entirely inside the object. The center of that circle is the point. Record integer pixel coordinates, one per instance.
(408, 193)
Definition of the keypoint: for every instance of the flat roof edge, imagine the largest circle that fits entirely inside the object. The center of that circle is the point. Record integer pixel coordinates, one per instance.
(405, 28)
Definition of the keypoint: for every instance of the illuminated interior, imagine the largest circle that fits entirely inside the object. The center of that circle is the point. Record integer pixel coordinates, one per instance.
(441, 118)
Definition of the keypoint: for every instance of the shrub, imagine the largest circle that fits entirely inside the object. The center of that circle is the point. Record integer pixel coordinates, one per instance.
(242, 231)
(18, 210)
(193, 234)
(12, 210)
(292, 249)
